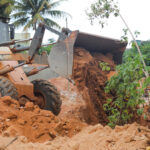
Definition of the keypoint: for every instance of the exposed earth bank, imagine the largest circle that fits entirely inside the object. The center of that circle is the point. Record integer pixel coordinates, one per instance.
(91, 79)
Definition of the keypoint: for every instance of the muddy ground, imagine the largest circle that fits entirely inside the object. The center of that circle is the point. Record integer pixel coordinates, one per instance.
(81, 124)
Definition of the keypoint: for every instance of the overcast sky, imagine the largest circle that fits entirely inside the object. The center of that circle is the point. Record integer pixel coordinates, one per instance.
(135, 12)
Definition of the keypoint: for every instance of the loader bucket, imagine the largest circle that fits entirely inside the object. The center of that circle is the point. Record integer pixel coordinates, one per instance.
(61, 56)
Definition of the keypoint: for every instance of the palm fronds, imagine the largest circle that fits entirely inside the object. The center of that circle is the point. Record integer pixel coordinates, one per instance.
(35, 11)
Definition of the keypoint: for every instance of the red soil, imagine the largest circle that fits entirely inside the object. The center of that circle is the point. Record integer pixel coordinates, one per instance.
(91, 80)
(128, 137)
(35, 124)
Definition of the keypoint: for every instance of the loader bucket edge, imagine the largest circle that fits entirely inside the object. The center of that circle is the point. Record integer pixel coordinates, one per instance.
(61, 55)
(95, 43)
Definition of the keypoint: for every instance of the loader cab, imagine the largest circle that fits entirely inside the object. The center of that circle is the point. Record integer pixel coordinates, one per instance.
(7, 30)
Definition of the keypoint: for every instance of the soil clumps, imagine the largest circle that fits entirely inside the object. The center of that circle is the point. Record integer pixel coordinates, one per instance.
(91, 80)
(35, 124)
(128, 137)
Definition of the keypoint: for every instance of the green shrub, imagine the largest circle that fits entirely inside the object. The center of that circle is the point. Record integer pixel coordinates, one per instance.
(125, 88)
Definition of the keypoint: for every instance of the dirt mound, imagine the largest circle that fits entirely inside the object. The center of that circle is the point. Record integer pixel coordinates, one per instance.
(73, 105)
(130, 137)
(90, 80)
(35, 124)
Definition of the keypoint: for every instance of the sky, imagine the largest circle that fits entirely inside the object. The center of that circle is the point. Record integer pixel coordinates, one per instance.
(135, 12)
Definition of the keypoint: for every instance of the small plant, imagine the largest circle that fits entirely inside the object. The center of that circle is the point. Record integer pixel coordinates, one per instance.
(127, 92)
(124, 37)
(104, 66)
(46, 48)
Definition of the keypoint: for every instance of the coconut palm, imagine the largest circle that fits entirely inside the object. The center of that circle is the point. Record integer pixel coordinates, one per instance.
(29, 13)
(6, 7)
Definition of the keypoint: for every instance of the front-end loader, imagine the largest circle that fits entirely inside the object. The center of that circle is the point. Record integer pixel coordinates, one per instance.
(14, 80)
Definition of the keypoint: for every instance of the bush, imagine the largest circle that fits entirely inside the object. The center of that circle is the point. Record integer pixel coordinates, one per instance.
(46, 48)
(127, 92)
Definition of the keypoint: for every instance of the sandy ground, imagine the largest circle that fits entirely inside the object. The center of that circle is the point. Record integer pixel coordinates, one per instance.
(129, 137)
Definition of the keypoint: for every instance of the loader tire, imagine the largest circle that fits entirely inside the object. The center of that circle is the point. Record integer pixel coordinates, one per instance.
(7, 88)
(50, 94)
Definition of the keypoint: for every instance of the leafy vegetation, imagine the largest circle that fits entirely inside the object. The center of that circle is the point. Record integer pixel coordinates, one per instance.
(48, 47)
(124, 37)
(101, 10)
(104, 66)
(6, 8)
(127, 92)
(132, 52)
(29, 13)
(124, 86)
(45, 49)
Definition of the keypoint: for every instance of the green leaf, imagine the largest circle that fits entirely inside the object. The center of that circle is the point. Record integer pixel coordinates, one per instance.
(145, 116)
(112, 125)
(105, 107)
(107, 68)
(109, 100)
(140, 111)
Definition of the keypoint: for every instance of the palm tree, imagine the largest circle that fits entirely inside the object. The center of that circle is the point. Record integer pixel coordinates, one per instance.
(29, 13)
(6, 8)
